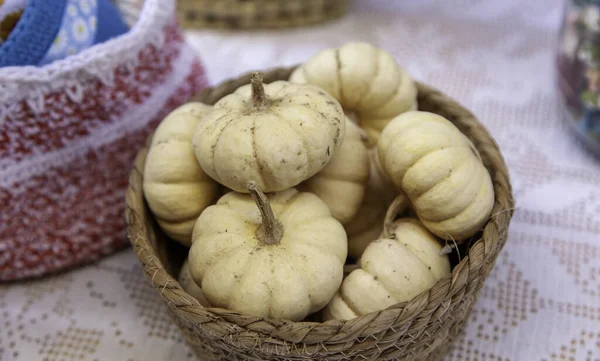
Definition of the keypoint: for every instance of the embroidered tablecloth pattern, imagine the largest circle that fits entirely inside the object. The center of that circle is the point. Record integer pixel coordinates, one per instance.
(542, 301)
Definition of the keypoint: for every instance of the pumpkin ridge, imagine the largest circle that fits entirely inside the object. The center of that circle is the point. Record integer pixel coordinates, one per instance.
(337, 177)
(348, 304)
(214, 167)
(238, 280)
(290, 202)
(471, 204)
(417, 254)
(302, 140)
(292, 240)
(389, 96)
(306, 75)
(214, 124)
(255, 154)
(186, 182)
(419, 195)
(467, 186)
(370, 87)
(170, 138)
(338, 62)
(179, 220)
(383, 157)
(302, 260)
(223, 253)
(383, 280)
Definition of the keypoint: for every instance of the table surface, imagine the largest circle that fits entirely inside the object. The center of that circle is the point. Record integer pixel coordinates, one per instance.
(542, 300)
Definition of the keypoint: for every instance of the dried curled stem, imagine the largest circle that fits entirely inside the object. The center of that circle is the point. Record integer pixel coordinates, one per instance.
(271, 230)
(259, 97)
(397, 207)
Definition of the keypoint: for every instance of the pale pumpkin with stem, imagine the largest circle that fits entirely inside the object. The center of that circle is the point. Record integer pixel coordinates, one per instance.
(440, 171)
(366, 80)
(367, 224)
(280, 256)
(341, 184)
(406, 261)
(176, 188)
(277, 135)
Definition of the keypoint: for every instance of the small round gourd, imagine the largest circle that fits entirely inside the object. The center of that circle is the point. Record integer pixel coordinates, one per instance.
(365, 80)
(440, 171)
(341, 184)
(367, 224)
(275, 257)
(277, 135)
(405, 262)
(176, 188)
(189, 286)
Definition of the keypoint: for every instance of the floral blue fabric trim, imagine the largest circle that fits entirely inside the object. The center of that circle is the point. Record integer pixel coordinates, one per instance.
(77, 30)
(50, 30)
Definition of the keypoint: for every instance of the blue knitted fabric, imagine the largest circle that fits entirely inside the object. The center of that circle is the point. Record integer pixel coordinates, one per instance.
(110, 22)
(31, 38)
(47, 31)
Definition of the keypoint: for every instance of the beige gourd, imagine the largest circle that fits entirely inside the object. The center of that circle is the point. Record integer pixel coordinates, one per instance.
(367, 224)
(189, 286)
(275, 257)
(365, 80)
(440, 171)
(175, 187)
(406, 261)
(277, 135)
(341, 184)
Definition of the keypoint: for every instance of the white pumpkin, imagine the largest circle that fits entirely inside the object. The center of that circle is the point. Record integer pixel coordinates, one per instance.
(278, 135)
(341, 184)
(367, 224)
(175, 187)
(189, 286)
(366, 80)
(440, 171)
(275, 257)
(405, 262)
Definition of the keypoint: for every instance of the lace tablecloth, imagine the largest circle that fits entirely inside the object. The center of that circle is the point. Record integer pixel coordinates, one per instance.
(542, 301)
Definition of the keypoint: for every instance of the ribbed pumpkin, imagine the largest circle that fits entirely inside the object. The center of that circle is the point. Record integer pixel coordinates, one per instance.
(341, 184)
(440, 171)
(404, 262)
(175, 187)
(365, 80)
(276, 135)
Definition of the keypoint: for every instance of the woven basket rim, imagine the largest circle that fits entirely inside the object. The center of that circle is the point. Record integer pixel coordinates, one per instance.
(484, 250)
(225, 13)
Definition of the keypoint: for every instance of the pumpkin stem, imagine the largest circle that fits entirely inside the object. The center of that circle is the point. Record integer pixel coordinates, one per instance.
(271, 230)
(258, 90)
(398, 206)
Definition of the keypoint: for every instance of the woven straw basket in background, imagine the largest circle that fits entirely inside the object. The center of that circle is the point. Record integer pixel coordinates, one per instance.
(421, 329)
(246, 14)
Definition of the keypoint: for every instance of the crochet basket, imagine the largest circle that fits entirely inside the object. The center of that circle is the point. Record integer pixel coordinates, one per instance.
(421, 329)
(69, 132)
(257, 13)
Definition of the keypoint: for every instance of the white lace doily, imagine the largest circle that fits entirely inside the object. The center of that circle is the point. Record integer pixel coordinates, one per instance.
(542, 301)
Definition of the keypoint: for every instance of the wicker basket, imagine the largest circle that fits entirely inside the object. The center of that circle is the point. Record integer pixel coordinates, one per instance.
(257, 13)
(421, 329)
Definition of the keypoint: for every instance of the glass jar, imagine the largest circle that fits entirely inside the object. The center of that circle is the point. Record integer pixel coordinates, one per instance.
(578, 63)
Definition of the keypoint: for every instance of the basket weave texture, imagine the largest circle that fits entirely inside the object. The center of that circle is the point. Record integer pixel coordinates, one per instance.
(421, 329)
(257, 13)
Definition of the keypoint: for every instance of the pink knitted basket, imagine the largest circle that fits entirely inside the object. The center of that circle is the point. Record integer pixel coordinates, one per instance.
(68, 136)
